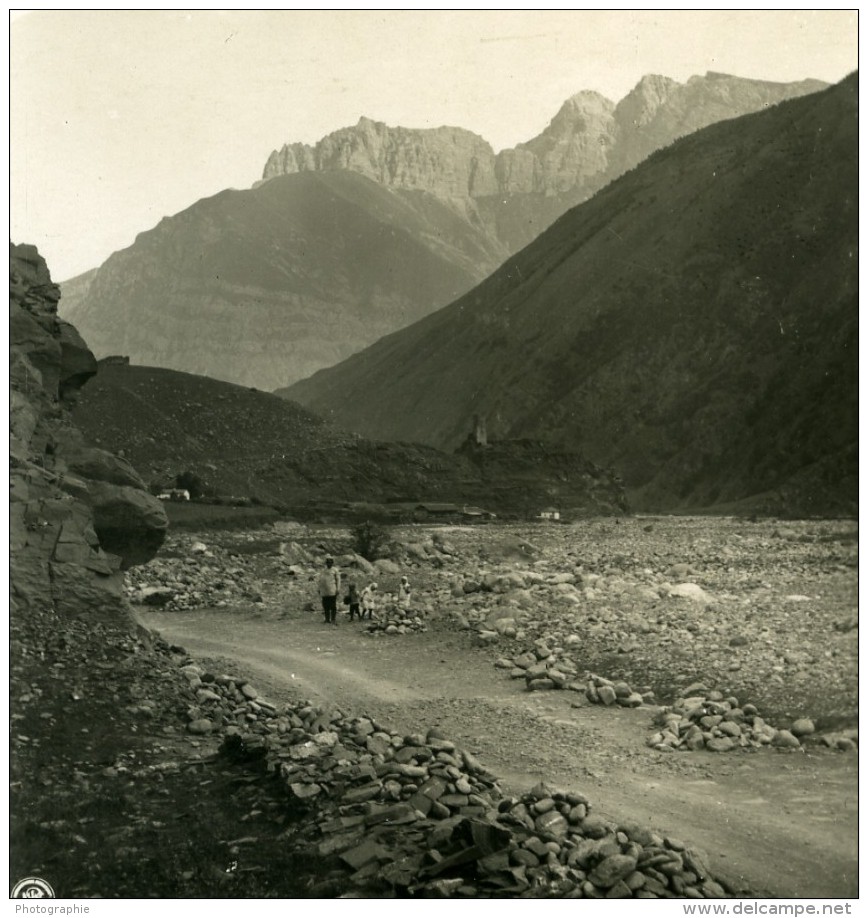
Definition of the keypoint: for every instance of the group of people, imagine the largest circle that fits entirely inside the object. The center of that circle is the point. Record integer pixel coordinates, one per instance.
(362, 604)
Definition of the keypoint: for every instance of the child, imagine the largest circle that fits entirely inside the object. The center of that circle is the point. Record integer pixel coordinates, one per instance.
(352, 600)
(404, 595)
(369, 600)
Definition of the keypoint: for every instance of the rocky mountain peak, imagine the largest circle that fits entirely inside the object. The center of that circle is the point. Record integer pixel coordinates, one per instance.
(589, 141)
(641, 104)
(588, 101)
(446, 161)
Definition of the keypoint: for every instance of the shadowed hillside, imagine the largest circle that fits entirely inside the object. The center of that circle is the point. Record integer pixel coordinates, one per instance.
(693, 326)
(243, 443)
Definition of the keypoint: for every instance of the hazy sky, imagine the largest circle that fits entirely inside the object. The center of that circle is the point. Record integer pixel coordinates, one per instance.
(119, 118)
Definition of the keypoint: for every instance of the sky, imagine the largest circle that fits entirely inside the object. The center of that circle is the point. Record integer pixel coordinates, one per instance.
(119, 118)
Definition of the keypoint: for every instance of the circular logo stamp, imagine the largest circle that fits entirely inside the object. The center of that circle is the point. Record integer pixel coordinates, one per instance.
(32, 888)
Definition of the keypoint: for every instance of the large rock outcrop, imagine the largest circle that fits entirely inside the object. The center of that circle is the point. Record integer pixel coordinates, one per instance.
(78, 515)
(445, 161)
(589, 142)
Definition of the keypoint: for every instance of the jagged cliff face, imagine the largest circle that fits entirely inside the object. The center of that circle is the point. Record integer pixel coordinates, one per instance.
(368, 231)
(444, 161)
(589, 142)
(78, 515)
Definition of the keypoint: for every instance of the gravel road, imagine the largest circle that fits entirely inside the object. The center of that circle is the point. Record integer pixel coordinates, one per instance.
(785, 823)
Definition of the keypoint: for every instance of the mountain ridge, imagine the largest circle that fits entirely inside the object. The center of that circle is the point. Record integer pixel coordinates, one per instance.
(684, 301)
(369, 231)
(248, 286)
(595, 126)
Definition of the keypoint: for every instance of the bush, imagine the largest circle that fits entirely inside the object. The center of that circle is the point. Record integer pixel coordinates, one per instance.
(369, 539)
(191, 482)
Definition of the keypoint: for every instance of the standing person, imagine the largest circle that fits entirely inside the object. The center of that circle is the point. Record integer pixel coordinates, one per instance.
(329, 584)
(369, 600)
(353, 600)
(404, 595)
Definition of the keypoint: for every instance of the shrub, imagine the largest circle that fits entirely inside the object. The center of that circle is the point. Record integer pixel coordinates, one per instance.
(191, 482)
(369, 539)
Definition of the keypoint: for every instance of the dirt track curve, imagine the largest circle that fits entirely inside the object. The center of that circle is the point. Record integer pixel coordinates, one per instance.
(784, 823)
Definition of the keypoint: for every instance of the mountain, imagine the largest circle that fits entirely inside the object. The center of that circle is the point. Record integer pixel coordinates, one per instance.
(693, 326)
(76, 289)
(367, 231)
(588, 143)
(244, 443)
(266, 285)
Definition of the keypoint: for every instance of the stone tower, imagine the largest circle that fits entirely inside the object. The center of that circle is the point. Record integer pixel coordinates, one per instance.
(480, 434)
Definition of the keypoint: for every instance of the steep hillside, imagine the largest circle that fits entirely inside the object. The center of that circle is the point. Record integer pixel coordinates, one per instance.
(693, 326)
(264, 286)
(369, 230)
(75, 290)
(245, 443)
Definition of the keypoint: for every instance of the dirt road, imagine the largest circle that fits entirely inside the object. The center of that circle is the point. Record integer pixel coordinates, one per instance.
(784, 824)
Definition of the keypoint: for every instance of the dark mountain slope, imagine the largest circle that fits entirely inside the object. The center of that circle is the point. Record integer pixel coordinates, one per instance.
(369, 230)
(694, 325)
(270, 284)
(245, 443)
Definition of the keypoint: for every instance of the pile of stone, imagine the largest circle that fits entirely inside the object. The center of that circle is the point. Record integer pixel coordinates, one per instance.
(227, 703)
(425, 548)
(200, 577)
(398, 814)
(708, 720)
(541, 667)
(416, 815)
(544, 844)
(600, 690)
(396, 621)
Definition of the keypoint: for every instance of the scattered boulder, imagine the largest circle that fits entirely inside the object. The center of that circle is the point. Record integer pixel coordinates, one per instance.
(802, 727)
(709, 721)
(395, 621)
(692, 592)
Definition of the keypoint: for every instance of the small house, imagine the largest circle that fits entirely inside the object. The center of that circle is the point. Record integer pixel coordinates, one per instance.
(174, 494)
(549, 513)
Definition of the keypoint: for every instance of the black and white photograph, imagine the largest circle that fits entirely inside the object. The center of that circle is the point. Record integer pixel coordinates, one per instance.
(434, 457)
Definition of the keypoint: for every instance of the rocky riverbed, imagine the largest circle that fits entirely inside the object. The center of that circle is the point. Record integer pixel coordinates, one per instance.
(763, 612)
(362, 792)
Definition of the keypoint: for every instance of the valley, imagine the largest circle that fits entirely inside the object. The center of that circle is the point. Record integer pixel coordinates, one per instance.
(692, 327)
(578, 417)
